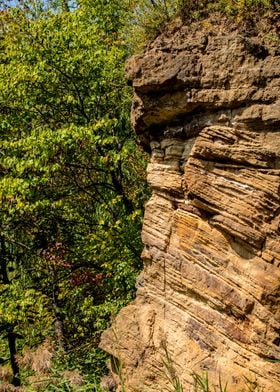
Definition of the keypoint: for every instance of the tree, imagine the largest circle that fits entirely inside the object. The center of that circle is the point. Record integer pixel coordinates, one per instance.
(71, 177)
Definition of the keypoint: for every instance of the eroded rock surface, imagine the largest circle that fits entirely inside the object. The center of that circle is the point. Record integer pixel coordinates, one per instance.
(207, 106)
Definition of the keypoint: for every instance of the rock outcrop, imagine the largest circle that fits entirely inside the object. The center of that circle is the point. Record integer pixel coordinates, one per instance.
(207, 107)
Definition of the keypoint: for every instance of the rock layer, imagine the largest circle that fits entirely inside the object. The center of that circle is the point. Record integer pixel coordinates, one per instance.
(207, 107)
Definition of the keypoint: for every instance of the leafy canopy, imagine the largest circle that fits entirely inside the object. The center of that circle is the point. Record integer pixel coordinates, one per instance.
(72, 181)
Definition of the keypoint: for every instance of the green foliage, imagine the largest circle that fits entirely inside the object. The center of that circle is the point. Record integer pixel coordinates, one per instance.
(243, 9)
(148, 17)
(72, 182)
(170, 372)
(201, 383)
(21, 306)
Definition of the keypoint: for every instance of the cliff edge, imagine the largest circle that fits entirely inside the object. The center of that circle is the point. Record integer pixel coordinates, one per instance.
(207, 107)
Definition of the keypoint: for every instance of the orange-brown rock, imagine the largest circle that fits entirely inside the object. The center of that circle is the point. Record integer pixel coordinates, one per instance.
(207, 106)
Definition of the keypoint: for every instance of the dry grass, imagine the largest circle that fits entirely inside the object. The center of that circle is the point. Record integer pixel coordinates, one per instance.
(6, 387)
(74, 377)
(39, 360)
(6, 374)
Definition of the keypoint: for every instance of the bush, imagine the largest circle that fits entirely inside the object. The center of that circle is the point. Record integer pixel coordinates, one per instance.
(148, 17)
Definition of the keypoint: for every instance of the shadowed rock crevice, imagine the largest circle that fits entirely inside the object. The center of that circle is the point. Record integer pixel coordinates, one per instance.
(207, 108)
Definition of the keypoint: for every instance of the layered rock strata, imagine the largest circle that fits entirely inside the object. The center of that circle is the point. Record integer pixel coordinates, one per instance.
(207, 107)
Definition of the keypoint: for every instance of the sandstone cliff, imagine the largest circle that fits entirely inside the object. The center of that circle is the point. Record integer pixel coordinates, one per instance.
(207, 107)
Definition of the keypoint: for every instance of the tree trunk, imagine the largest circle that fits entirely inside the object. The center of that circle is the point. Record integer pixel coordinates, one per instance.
(11, 335)
(58, 329)
(12, 347)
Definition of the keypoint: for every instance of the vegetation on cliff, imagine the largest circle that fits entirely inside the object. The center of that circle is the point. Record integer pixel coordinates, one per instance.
(148, 17)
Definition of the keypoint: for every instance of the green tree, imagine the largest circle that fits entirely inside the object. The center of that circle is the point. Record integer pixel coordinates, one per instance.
(71, 177)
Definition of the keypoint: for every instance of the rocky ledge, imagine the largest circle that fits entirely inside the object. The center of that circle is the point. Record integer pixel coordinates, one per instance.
(207, 107)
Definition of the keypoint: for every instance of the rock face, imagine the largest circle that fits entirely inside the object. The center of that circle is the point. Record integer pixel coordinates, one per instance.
(207, 107)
